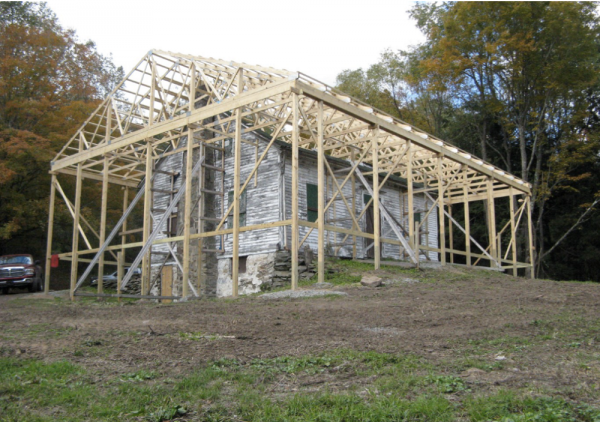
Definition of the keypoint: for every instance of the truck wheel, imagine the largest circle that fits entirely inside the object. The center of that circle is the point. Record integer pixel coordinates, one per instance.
(33, 287)
(5, 290)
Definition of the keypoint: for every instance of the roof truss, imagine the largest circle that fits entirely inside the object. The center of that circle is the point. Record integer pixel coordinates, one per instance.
(167, 94)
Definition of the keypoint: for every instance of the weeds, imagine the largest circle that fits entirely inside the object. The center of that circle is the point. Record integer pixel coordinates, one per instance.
(403, 388)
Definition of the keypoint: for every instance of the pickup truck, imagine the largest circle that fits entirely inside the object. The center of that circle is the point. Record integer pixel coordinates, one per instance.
(20, 271)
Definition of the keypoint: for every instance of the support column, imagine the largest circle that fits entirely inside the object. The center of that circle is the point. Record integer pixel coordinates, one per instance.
(295, 225)
(513, 230)
(416, 245)
(103, 224)
(187, 213)
(467, 216)
(121, 257)
(410, 197)
(75, 246)
(120, 270)
(451, 233)
(235, 259)
(530, 236)
(50, 233)
(147, 220)
(321, 192)
(442, 217)
(491, 219)
(355, 227)
(201, 185)
(376, 222)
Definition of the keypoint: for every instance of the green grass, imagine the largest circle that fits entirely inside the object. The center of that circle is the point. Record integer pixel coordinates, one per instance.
(347, 272)
(386, 387)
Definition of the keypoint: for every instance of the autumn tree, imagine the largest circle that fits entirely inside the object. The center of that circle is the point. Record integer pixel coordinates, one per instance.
(49, 83)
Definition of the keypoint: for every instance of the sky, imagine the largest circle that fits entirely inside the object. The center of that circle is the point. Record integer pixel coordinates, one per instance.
(319, 38)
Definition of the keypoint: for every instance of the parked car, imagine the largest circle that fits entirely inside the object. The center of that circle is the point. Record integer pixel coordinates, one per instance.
(110, 280)
(20, 271)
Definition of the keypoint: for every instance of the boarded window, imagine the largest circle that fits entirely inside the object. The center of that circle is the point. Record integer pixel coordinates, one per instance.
(312, 202)
(172, 225)
(242, 209)
(242, 261)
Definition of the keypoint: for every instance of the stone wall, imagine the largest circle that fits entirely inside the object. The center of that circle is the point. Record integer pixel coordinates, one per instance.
(259, 274)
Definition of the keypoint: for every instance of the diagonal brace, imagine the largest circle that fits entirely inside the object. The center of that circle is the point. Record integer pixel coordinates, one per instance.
(157, 230)
(387, 216)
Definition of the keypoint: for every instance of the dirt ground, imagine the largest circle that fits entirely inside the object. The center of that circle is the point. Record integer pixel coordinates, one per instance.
(544, 333)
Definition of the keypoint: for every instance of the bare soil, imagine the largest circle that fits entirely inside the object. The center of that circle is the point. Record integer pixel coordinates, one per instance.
(533, 332)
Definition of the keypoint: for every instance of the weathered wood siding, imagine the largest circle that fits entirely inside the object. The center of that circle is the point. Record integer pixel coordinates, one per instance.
(263, 200)
(270, 201)
(160, 201)
(392, 196)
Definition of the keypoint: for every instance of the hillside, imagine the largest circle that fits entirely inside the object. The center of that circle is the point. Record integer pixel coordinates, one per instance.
(435, 345)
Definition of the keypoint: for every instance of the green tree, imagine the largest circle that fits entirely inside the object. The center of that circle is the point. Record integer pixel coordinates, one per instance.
(511, 82)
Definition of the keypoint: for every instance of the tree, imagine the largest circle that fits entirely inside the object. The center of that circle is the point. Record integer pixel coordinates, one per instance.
(518, 76)
(49, 83)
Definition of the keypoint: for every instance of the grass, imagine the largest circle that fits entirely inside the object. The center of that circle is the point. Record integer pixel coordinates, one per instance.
(400, 388)
(337, 385)
(341, 272)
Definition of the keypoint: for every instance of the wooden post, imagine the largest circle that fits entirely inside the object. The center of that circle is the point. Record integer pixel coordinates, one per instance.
(410, 195)
(491, 217)
(187, 213)
(235, 259)
(417, 241)
(442, 216)
(321, 192)
(75, 246)
(513, 230)
(147, 220)
(376, 222)
(50, 233)
(355, 227)
(451, 234)
(147, 261)
(120, 269)
(295, 224)
(530, 235)
(102, 237)
(467, 216)
(123, 240)
(201, 184)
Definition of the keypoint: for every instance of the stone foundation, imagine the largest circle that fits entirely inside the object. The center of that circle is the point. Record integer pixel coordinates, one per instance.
(258, 275)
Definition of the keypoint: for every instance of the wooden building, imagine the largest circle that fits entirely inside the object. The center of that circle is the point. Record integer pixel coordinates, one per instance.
(280, 163)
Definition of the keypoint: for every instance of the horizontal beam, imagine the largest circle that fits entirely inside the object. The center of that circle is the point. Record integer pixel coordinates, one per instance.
(93, 176)
(502, 193)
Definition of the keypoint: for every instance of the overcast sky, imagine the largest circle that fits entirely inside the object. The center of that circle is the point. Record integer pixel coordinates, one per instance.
(319, 38)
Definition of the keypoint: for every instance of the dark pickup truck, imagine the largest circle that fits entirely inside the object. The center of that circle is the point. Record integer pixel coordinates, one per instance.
(20, 271)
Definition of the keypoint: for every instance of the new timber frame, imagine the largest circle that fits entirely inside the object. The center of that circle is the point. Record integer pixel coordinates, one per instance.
(168, 99)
